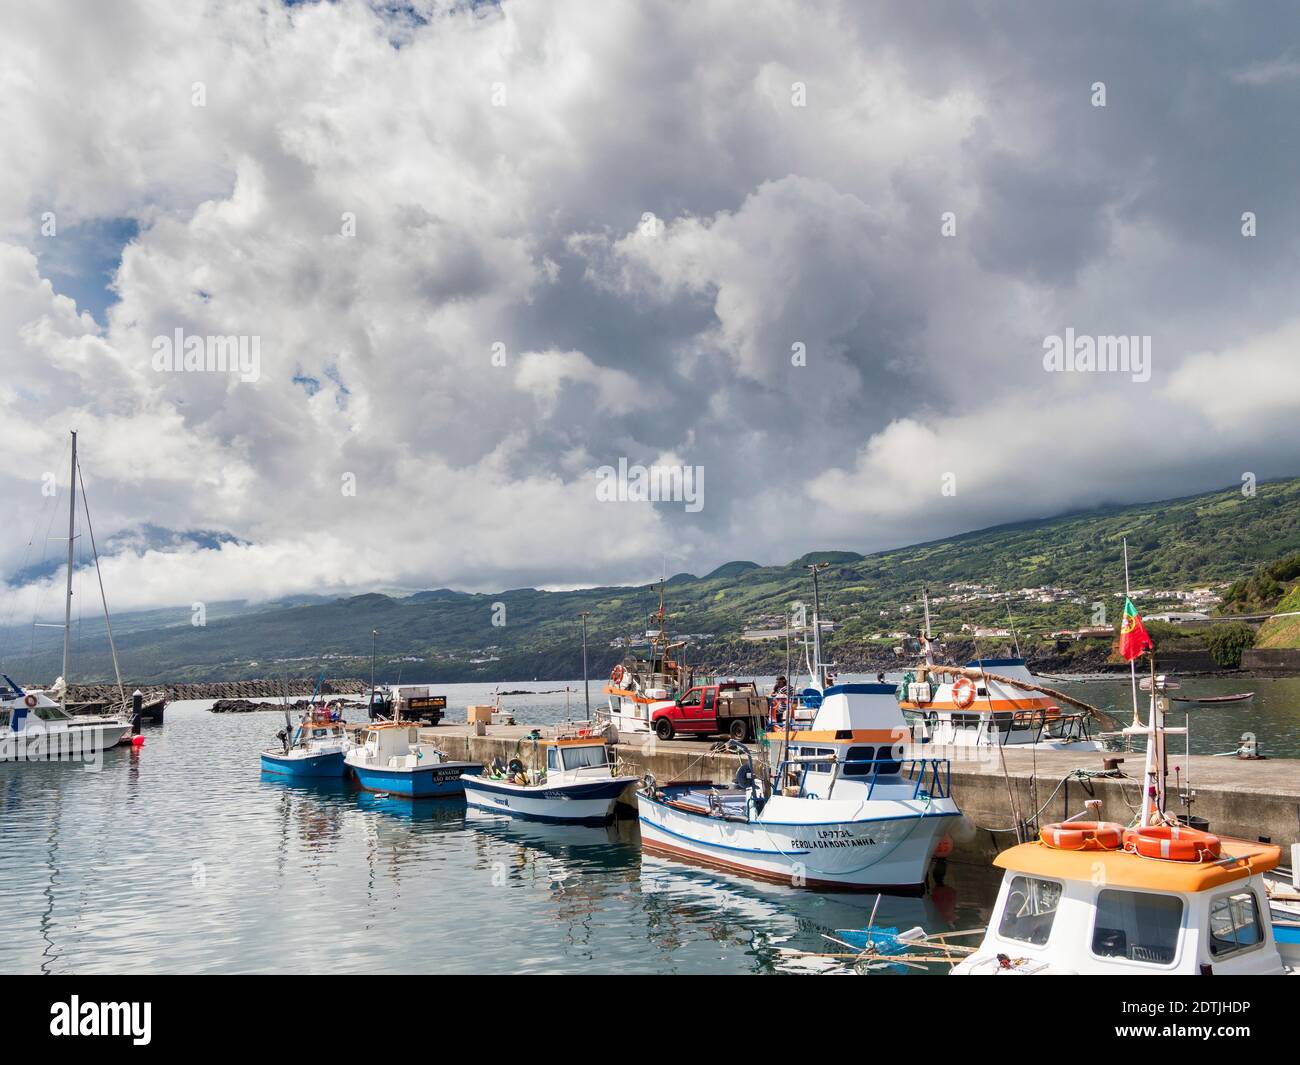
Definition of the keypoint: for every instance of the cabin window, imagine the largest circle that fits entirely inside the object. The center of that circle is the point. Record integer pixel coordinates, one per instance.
(552, 760)
(4, 718)
(884, 761)
(50, 713)
(615, 702)
(861, 754)
(584, 757)
(1030, 909)
(1234, 924)
(966, 721)
(1137, 925)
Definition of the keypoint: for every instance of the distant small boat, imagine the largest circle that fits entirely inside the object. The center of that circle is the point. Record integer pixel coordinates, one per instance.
(1239, 697)
(389, 762)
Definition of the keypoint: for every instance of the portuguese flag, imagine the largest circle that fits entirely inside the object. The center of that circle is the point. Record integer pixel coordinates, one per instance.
(1133, 638)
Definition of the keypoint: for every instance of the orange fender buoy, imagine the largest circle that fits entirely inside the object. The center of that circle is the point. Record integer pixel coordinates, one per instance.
(1083, 835)
(1176, 843)
(945, 847)
(963, 692)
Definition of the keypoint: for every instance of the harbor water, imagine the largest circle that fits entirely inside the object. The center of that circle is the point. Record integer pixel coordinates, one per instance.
(183, 857)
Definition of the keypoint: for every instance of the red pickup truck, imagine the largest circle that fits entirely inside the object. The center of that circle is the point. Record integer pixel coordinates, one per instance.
(731, 707)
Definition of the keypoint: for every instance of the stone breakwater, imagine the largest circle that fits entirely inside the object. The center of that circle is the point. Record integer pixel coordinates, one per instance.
(240, 689)
(246, 706)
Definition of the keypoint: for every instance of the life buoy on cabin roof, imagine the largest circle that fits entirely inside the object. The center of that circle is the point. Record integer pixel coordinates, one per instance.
(616, 675)
(1176, 843)
(30, 700)
(1083, 835)
(963, 692)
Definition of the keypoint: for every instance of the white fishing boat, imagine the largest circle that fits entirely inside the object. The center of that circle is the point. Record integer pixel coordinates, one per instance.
(572, 779)
(981, 706)
(1155, 898)
(35, 724)
(639, 686)
(850, 810)
(35, 728)
(846, 808)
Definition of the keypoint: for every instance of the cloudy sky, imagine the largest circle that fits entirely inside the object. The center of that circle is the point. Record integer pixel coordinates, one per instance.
(487, 250)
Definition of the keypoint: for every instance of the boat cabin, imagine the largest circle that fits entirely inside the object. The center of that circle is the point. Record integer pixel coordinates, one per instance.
(1107, 909)
(393, 745)
(857, 740)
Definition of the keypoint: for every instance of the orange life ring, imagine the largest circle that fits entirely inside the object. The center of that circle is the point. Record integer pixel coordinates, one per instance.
(963, 692)
(1083, 835)
(616, 676)
(1176, 843)
(31, 700)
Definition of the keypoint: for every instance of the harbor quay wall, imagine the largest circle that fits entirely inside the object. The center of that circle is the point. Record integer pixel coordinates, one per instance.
(235, 689)
(1250, 799)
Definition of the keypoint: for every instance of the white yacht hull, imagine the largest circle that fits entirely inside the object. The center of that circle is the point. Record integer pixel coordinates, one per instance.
(72, 744)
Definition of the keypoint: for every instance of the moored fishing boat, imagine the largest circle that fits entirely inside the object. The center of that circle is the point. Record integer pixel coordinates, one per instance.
(314, 748)
(391, 759)
(1159, 897)
(848, 810)
(640, 686)
(982, 705)
(576, 783)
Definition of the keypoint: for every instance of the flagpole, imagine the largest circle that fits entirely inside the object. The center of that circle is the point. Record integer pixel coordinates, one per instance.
(1132, 664)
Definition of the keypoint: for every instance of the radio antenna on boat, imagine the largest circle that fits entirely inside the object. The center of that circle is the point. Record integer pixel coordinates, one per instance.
(820, 675)
(1012, 626)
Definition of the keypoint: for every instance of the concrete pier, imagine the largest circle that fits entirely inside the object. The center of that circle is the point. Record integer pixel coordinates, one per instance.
(1248, 799)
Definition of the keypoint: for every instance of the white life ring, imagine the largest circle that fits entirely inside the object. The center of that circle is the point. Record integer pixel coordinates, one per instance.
(963, 692)
(616, 676)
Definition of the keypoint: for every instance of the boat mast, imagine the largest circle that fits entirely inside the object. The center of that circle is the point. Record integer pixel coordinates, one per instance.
(925, 601)
(817, 626)
(1132, 666)
(67, 605)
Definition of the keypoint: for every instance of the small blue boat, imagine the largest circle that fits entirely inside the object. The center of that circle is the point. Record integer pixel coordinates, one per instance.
(314, 749)
(390, 760)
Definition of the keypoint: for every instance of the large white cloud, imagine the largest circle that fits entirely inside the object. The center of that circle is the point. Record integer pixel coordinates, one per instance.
(643, 208)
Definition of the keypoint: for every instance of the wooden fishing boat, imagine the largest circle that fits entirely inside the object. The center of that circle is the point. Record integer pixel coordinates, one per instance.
(1239, 697)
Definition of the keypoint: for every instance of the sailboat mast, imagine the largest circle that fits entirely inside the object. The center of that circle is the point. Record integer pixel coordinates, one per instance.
(925, 601)
(67, 605)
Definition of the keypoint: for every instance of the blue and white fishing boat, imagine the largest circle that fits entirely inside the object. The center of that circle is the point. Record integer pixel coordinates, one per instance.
(577, 784)
(315, 748)
(392, 760)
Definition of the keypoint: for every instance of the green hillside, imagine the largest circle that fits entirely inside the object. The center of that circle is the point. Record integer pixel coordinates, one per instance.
(1216, 538)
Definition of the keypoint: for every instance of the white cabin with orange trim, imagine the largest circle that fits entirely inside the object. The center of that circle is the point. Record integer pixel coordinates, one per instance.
(970, 712)
(1112, 904)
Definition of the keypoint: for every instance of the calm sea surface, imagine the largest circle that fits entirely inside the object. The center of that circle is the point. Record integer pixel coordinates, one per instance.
(182, 857)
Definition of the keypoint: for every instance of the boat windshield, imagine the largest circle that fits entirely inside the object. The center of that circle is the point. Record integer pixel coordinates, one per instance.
(584, 757)
(51, 713)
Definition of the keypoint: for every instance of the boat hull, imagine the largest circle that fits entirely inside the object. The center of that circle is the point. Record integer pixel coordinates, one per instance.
(587, 803)
(326, 764)
(890, 854)
(435, 781)
(79, 743)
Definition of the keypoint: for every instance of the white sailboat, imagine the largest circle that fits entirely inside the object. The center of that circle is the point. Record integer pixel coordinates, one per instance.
(34, 724)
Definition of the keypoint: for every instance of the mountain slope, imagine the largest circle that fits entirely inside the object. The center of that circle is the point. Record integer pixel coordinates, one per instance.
(443, 634)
